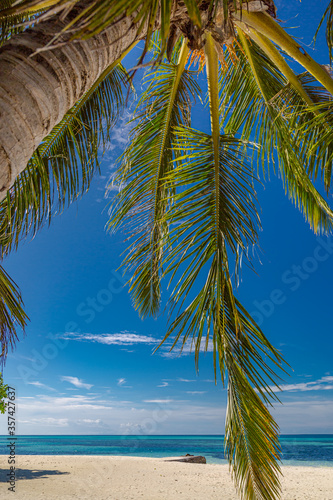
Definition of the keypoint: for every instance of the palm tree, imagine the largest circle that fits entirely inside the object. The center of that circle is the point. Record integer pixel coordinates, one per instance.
(187, 197)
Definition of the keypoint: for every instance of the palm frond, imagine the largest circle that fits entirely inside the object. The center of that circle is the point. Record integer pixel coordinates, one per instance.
(314, 139)
(207, 210)
(15, 23)
(279, 61)
(164, 105)
(86, 19)
(212, 214)
(249, 428)
(328, 15)
(3, 395)
(256, 106)
(62, 167)
(90, 18)
(311, 126)
(12, 315)
(265, 25)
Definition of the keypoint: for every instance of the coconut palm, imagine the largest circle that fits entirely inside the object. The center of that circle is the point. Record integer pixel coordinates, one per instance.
(187, 197)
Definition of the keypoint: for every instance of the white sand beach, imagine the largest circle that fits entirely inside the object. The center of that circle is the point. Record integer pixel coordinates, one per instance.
(125, 478)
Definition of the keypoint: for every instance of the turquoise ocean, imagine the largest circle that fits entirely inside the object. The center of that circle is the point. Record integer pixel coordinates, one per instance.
(307, 449)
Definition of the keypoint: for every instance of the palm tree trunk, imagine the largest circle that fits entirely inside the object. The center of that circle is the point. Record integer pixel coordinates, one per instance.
(38, 88)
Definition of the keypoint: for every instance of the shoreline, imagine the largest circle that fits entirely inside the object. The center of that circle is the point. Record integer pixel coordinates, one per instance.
(294, 463)
(129, 478)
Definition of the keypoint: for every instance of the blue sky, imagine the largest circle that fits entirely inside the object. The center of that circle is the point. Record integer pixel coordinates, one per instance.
(86, 365)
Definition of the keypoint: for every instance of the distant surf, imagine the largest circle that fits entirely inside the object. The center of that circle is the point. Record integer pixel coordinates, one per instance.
(307, 449)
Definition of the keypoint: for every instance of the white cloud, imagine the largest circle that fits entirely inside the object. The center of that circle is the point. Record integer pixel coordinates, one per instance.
(180, 379)
(77, 382)
(158, 416)
(164, 384)
(119, 137)
(121, 132)
(317, 385)
(121, 382)
(196, 392)
(305, 416)
(47, 421)
(63, 405)
(27, 358)
(91, 423)
(158, 401)
(154, 417)
(186, 349)
(122, 338)
(39, 384)
(130, 426)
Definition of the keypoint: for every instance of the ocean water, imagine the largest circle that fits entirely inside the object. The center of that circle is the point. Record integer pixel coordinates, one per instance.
(313, 450)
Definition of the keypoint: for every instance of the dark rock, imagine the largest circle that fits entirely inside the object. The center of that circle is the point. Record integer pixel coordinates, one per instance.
(191, 459)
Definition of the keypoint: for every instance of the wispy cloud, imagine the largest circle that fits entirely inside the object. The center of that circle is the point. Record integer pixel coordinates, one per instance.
(27, 358)
(76, 381)
(121, 382)
(196, 392)
(180, 379)
(186, 349)
(163, 384)
(123, 338)
(47, 421)
(42, 386)
(91, 423)
(186, 380)
(121, 132)
(158, 401)
(63, 405)
(322, 384)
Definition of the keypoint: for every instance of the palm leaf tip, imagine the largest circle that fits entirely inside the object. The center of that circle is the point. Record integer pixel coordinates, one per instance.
(12, 315)
(258, 103)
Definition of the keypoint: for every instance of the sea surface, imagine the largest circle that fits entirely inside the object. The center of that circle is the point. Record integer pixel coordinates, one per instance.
(313, 450)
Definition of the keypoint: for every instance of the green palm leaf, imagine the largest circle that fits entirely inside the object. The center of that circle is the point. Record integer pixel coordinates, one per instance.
(208, 210)
(15, 23)
(164, 105)
(91, 18)
(313, 130)
(262, 23)
(253, 106)
(328, 15)
(12, 315)
(211, 215)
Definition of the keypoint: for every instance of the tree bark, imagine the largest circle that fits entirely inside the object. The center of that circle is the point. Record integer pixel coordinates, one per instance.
(37, 90)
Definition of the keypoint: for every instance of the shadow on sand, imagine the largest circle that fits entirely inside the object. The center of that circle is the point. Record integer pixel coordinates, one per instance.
(29, 474)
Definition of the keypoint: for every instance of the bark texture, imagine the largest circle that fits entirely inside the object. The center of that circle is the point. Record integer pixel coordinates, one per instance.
(37, 90)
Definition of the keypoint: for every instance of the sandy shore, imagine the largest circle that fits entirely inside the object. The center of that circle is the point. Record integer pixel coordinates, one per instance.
(125, 478)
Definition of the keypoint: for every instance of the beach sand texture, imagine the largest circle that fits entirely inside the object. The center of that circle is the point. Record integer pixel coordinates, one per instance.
(124, 478)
